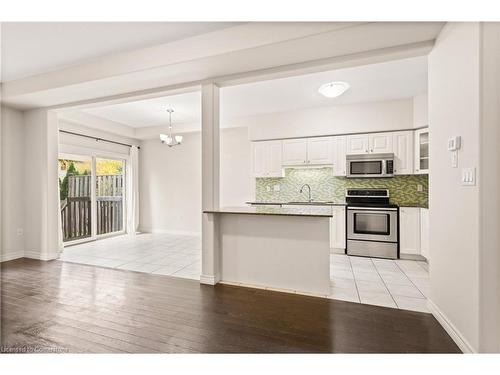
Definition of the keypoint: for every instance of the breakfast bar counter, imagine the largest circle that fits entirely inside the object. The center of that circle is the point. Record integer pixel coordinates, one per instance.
(284, 248)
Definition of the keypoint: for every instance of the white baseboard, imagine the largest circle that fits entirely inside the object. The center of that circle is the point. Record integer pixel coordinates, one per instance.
(209, 280)
(167, 231)
(11, 255)
(334, 250)
(33, 254)
(448, 326)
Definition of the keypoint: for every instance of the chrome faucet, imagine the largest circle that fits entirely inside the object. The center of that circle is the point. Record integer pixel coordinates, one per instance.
(302, 189)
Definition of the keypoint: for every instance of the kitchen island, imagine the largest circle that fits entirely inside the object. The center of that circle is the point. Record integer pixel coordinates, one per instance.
(282, 248)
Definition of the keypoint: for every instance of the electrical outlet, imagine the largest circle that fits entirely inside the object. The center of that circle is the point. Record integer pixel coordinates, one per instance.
(20, 231)
(277, 187)
(420, 188)
(268, 188)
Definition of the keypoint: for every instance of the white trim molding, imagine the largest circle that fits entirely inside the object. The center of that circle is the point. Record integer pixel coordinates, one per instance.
(209, 280)
(450, 328)
(11, 255)
(168, 231)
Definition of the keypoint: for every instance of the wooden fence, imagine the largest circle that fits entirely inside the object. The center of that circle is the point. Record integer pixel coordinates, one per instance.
(76, 210)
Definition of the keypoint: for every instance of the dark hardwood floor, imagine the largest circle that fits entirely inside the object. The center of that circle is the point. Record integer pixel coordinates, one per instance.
(64, 307)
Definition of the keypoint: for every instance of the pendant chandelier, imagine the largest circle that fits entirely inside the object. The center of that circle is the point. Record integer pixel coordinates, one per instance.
(170, 139)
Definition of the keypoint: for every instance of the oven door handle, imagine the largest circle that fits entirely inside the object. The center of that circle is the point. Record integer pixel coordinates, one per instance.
(373, 208)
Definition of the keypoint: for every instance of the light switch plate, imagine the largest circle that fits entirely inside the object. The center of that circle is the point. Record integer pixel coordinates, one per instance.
(277, 187)
(469, 176)
(454, 159)
(268, 188)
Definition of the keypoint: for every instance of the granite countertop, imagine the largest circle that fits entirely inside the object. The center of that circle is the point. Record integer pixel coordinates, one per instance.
(312, 211)
(297, 203)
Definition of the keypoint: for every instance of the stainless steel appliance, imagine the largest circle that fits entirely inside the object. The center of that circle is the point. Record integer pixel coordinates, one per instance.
(370, 165)
(372, 224)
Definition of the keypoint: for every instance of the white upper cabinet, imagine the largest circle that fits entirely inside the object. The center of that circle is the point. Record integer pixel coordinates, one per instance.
(358, 144)
(409, 219)
(339, 152)
(422, 151)
(295, 151)
(259, 159)
(402, 143)
(308, 151)
(380, 143)
(266, 159)
(369, 143)
(320, 150)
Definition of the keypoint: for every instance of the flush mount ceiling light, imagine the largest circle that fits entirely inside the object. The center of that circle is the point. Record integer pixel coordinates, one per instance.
(170, 139)
(333, 89)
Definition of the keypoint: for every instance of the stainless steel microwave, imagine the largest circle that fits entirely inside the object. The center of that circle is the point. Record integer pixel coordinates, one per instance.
(370, 165)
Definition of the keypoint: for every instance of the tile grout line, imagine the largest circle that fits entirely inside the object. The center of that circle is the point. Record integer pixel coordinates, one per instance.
(354, 278)
(411, 281)
(383, 282)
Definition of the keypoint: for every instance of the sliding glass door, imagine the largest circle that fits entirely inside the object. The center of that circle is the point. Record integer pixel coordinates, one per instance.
(92, 197)
(110, 186)
(75, 195)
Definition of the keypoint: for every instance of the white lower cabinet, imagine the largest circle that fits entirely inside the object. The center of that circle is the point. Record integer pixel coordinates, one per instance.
(337, 228)
(409, 230)
(424, 232)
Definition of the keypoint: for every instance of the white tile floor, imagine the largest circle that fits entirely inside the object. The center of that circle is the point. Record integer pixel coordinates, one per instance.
(164, 254)
(402, 284)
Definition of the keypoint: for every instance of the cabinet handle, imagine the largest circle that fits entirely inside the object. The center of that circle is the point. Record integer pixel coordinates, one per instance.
(371, 150)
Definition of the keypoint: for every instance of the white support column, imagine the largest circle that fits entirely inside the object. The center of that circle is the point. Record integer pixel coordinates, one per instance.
(41, 204)
(210, 273)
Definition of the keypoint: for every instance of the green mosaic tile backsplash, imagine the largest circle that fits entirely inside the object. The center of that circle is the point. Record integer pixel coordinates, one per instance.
(325, 186)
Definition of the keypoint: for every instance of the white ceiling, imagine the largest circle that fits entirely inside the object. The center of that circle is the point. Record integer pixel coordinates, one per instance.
(152, 112)
(30, 48)
(376, 82)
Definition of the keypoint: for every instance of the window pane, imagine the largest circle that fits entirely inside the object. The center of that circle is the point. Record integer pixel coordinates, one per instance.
(75, 197)
(110, 189)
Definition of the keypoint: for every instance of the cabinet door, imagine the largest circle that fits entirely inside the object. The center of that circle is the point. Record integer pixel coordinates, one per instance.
(339, 160)
(357, 144)
(422, 151)
(259, 159)
(424, 232)
(402, 143)
(320, 150)
(273, 159)
(337, 228)
(380, 143)
(294, 151)
(409, 230)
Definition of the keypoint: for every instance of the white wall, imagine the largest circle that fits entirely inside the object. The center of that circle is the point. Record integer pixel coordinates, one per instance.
(454, 209)
(170, 186)
(420, 110)
(237, 185)
(342, 119)
(170, 180)
(69, 142)
(13, 181)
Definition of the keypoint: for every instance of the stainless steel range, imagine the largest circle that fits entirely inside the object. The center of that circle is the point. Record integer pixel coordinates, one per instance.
(372, 224)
